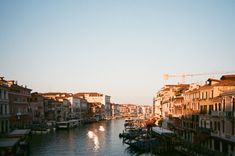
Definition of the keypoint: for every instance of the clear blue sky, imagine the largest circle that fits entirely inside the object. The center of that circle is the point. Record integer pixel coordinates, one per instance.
(118, 47)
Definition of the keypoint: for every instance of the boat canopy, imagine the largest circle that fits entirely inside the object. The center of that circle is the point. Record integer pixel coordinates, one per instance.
(20, 132)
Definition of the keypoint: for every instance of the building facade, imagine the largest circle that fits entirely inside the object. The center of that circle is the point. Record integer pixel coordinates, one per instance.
(4, 107)
(100, 101)
(21, 113)
(37, 107)
(201, 115)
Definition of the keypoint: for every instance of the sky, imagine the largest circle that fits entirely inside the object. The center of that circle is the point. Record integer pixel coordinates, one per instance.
(121, 48)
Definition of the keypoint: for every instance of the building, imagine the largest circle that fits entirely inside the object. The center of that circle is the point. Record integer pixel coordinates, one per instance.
(37, 107)
(190, 114)
(75, 106)
(144, 111)
(132, 110)
(4, 107)
(115, 110)
(202, 115)
(123, 110)
(19, 97)
(85, 110)
(216, 119)
(167, 101)
(60, 106)
(99, 101)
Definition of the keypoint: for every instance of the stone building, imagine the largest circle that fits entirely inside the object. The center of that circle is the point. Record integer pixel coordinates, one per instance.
(99, 101)
(216, 119)
(202, 115)
(19, 97)
(37, 107)
(4, 107)
(167, 101)
(58, 107)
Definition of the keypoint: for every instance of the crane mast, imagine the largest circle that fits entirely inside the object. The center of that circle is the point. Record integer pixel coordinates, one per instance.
(185, 75)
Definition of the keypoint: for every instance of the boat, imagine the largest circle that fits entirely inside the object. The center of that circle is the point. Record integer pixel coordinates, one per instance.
(9, 146)
(41, 130)
(67, 124)
(24, 136)
(144, 144)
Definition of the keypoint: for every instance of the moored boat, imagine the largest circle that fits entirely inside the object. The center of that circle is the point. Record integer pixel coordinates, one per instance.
(67, 124)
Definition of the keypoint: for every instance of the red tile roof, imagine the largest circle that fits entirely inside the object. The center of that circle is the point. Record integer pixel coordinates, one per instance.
(228, 77)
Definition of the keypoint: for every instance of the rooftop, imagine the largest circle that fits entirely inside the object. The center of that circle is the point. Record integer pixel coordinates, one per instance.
(228, 77)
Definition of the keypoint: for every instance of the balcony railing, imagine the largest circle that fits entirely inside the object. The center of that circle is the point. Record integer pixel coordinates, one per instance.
(223, 136)
(230, 114)
(218, 113)
(203, 112)
(204, 130)
(215, 133)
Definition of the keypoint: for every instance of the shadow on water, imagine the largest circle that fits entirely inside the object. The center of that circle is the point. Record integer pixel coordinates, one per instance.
(136, 152)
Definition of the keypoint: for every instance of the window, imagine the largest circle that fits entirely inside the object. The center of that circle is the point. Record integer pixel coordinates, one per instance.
(0, 94)
(205, 109)
(219, 106)
(6, 122)
(215, 106)
(215, 126)
(5, 109)
(218, 126)
(224, 105)
(201, 109)
(233, 104)
(206, 95)
(2, 129)
(212, 94)
(1, 109)
(210, 109)
(211, 143)
(223, 123)
(4, 94)
(232, 127)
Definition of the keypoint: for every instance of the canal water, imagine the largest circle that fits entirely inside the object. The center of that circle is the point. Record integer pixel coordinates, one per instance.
(98, 139)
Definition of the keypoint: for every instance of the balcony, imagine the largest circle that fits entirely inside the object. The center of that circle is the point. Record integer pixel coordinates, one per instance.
(215, 133)
(218, 134)
(204, 130)
(203, 112)
(218, 113)
(4, 116)
(229, 114)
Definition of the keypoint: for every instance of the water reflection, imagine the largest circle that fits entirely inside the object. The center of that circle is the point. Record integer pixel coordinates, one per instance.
(101, 129)
(95, 139)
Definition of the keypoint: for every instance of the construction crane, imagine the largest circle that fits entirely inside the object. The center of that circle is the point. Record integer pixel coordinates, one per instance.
(183, 76)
